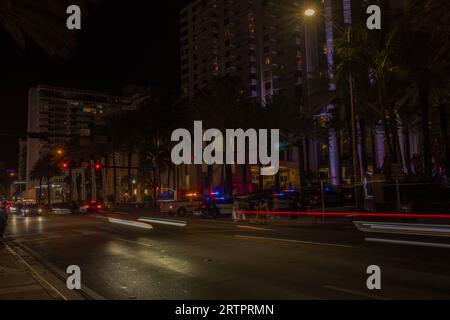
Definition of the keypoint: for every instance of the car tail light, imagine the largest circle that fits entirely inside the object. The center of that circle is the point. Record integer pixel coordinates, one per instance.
(99, 206)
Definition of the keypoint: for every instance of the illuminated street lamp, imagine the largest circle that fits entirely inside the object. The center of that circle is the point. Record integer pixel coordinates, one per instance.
(59, 152)
(310, 12)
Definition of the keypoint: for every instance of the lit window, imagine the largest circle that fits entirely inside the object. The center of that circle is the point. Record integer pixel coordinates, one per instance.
(90, 110)
(85, 132)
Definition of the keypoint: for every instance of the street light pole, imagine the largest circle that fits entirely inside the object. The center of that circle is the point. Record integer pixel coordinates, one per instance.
(311, 12)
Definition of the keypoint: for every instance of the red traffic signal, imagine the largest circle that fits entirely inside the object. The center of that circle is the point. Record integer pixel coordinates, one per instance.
(64, 165)
(98, 166)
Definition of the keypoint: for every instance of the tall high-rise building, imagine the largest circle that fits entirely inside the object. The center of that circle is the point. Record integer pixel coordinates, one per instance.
(58, 115)
(258, 41)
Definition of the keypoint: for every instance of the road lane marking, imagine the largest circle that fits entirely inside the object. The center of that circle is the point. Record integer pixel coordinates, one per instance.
(295, 241)
(136, 242)
(39, 278)
(176, 223)
(355, 292)
(409, 243)
(131, 223)
(254, 228)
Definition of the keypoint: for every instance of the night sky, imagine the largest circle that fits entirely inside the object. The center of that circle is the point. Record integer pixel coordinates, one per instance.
(121, 43)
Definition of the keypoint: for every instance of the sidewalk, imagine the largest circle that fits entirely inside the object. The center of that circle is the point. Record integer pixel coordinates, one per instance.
(19, 281)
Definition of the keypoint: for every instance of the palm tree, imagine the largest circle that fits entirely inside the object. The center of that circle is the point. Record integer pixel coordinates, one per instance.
(45, 167)
(126, 132)
(391, 66)
(427, 23)
(38, 172)
(115, 131)
(220, 105)
(284, 114)
(366, 58)
(442, 100)
(146, 133)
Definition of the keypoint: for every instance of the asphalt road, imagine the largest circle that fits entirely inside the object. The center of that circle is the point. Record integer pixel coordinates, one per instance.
(210, 259)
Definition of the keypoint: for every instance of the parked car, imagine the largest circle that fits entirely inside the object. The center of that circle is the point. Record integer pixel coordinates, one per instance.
(224, 204)
(31, 210)
(92, 206)
(251, 201)
(347, 194)
(188, 204)
(334, 196)
(209, 209)
(13, 208)
(61, 208)
(286, 200)
(215, 206)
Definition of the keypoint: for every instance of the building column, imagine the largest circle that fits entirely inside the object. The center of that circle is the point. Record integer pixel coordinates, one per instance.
(93, 180)
(74, 187)
(333, 146)
(360, 141)
(83, 184)
(333, 152)
(313, 156)
(402, 141)
(379, 146)
(119, 178)
(104, 180)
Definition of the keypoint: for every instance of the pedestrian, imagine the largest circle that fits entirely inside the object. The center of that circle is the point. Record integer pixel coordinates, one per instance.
(3, 220)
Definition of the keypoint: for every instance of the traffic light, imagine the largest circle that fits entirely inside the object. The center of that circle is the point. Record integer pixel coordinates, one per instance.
(98, 166)
(64, 165)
